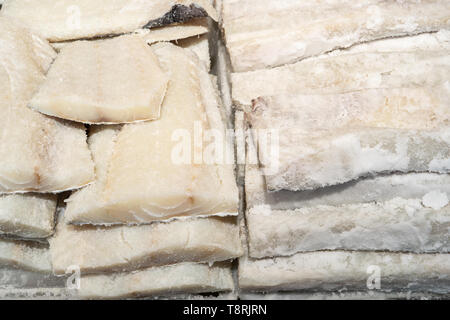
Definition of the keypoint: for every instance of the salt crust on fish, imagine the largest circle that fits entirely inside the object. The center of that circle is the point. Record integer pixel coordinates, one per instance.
(415, 61)
(37, 153)
(263, 33)
(28, 215)
(128, 248)
(186, 278)
(340, 270)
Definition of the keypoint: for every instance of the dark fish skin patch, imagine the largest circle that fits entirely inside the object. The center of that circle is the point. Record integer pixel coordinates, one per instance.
(178, 14)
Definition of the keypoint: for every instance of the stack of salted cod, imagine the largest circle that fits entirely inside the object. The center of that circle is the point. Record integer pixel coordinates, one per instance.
(160, 216)
(39, 156)
(347, 181)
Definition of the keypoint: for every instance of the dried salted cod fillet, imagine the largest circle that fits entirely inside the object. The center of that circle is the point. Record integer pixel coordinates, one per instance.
(117, 80)
(336, 270)
(147, 179)
(124, 248)
(395, 225)
(28, 215)
(264, 33)
(166, 280)
(352, 135)
(79, 19)
(400, 212)
(370, 189)
(25, 255)
(37, 153)
(344, 73)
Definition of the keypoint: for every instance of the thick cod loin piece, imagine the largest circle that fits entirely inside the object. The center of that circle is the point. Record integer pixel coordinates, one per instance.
(352, 135)
(106, 81)
(25, 255)
(158, 281)
(264, 33)
(336, 270)
(37, 153)
(146, 175)
(27, 215)
(80, 19)
(125, 248)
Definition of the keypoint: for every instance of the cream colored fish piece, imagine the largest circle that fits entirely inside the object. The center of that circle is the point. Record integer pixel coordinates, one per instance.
(336, 270)
(25, 255)
(126, 248)
(37, 153)
(117, 80)
(27, 215)
(263, 33)
(186, 278)
(147, 179)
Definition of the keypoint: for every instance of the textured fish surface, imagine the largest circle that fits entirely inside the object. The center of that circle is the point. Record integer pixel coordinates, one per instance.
(37, 153)
(186, 278)
(392, 63)
(25, 255)
(340, 270)
(116, 80)
(351, 135)
(128, 248)
(264, 33)
(27, 215)
(397, 212)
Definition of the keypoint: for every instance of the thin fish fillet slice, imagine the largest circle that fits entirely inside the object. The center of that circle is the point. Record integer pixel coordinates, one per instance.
(175, 32)
(106, 81)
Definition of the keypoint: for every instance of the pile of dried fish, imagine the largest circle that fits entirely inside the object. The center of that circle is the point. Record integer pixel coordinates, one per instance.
(141, 220)
(345, 126)
(119, 177)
